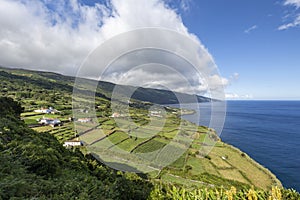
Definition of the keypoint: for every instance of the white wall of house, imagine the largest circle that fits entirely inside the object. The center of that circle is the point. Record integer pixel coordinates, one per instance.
(72, 143)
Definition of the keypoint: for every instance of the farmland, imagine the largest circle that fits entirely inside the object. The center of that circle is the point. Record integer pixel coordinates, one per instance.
(222, 163)
(202, 159)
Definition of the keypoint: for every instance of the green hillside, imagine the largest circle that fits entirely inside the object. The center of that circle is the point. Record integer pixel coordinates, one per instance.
(50, 80)
(42, 164)
(37, 166)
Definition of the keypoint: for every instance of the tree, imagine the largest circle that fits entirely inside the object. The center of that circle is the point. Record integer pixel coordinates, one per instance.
(10, 107)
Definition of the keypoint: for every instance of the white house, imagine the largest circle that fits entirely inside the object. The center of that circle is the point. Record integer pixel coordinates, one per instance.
(84, 120)
(42, 110)
(72, 143)
(155, 113)
(115, 115)
(47, 110)
(50, 121)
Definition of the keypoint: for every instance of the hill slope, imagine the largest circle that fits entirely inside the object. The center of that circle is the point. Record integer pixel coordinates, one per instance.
(225, 166)
(50, 80)
(37, 166)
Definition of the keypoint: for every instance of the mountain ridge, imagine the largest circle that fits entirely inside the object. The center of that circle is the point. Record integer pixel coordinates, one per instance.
(157, 96)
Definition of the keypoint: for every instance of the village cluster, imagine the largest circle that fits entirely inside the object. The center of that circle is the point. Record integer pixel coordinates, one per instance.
(54, 122)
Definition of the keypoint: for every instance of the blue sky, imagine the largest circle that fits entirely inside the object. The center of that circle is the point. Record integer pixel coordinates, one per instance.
(266, 59)
(255, 43)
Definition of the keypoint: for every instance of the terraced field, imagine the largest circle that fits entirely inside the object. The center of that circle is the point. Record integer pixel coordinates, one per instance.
(120, 139)
(62, 133)
(115, 139)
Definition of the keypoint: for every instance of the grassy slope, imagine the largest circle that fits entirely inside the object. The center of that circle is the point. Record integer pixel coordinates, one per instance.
(193, 168)
(36, 166)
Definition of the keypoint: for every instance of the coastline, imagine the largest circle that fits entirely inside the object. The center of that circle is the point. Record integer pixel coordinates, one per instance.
(271, 175)
(260, 166)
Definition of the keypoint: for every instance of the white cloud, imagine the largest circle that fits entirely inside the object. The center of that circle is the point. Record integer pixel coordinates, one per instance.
(235, 76)
(295, 3)
(169, 80)
(231, 96)
(185, 4)
(58, 35)
(295, 22)
(58, 39)
(33, 36)
(234, 96)
(251, 29)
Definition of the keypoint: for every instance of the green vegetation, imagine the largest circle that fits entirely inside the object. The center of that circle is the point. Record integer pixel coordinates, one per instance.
(173, 192)
(59, 84)
(34, 164)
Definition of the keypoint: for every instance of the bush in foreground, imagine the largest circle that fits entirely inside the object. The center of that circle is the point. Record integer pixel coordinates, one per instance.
(162, 191)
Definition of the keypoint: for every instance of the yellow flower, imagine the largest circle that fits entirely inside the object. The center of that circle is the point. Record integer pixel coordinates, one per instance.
(229, 195)
(251, 195)
(233, 190)
(275, 194)
(217, 194)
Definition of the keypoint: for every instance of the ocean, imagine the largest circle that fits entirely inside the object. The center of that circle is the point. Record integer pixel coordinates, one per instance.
(268, 131)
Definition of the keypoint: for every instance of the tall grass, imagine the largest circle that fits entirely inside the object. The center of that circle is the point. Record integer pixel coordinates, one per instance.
(162, 191)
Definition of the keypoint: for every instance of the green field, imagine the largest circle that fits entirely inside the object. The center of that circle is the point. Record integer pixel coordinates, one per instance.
(206, 160)
(193, 167)
(150, 146)
(61, 133)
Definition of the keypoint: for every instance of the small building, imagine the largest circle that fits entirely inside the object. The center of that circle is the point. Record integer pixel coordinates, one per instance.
(115, 115)
(50, 122)
(224, 157)
(47, 110)
(42, 110)
(84, 120)
(155, 114)
(72, 143)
